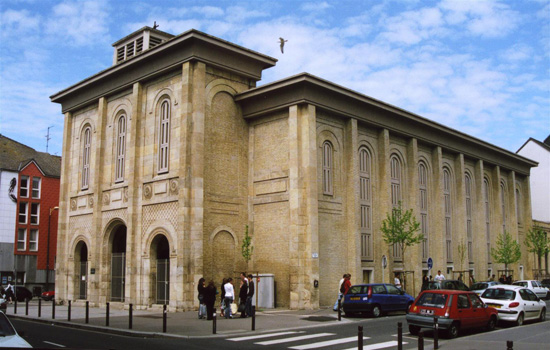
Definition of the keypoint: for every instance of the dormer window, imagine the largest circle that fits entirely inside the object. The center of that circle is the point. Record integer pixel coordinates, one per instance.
(137, 42)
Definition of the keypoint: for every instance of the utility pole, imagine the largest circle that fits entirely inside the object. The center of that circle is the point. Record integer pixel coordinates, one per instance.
(48, 138)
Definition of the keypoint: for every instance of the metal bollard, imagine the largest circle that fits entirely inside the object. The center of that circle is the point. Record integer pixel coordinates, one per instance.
(53, 309)
(253, 317)
(130, 316)
(15, 306)
(214, 323)
(69, 312)
(360, 338)
(164, 315)
(436, 334)
(39, 307)
(87, 312)
(509, 345)
(107, 315)
(27, 307)
(421, 340)
(339, 310)
(399, 336)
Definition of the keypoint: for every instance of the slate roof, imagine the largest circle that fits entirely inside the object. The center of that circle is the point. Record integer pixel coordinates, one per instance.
(14, 156)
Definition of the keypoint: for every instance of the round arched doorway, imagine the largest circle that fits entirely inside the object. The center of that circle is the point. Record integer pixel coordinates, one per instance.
(81, 270)
(160, 269)
(118, 263)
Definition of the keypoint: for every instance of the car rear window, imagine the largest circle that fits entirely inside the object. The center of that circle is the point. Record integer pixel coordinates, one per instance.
(432, 300)
(523, 284)
(5, 326)
(499, 294)
(477, 286)
(356, 290)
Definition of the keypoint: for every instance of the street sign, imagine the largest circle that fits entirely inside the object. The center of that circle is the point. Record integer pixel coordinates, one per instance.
(430, 263)
(384, 261)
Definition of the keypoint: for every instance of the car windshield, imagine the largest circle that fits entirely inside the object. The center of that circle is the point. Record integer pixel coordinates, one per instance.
(478, 286)
(5, 326)
(499, 294)
(432, 300)
(523, 284)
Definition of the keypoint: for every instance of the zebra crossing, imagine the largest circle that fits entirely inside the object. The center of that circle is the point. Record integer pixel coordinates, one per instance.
(320, 341)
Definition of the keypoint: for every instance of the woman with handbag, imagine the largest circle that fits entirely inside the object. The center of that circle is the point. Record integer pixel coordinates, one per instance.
(243, 293)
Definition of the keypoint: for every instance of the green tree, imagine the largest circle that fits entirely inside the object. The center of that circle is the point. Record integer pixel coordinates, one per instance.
(507, 250)
(400, 228)
(537, 242)
(247, 249)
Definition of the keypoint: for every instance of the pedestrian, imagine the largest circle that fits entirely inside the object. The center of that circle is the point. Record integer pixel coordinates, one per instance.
(425, 282)
(472, 280)
(397, 281)
(502, 279)
(340, 294)
(202, 306)
(439, 276)
(210, 299)
(10, 295)
(249, 296)
(509, 280)
(347, 284)
(243, 293)
(222, 299)
(228, 297)
(492, 278)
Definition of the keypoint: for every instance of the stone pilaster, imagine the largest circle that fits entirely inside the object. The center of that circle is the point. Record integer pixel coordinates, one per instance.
(460, 236)
(102, 254)
(383, 203)
(496, 214)
(412, 261)
(479, 239)
(353, 221)
(437, 213)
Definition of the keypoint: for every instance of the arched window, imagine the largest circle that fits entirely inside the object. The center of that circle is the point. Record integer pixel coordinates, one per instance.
(327, 168)
(503, 205)
(120, 148)
(448, 213)
(486, 202)
(365, 198)
(469, 230)
(423, 188)
(86, 149)
(395, 178)
(164, 137)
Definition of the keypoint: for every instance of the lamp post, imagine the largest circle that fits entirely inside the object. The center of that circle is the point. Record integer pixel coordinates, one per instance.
(48, 251)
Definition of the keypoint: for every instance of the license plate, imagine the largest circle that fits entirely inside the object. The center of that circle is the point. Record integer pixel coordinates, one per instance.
(426, 312)
(355, 298)
(494, 305)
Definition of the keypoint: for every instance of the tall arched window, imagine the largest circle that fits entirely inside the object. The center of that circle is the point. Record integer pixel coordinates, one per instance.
(365, 198)
(86, 149)
(469, 230)
(486, 203)
(327, 168)
(164, 137)
(120, 148)
(395, 175)
(519, 209)
(503, 205)
(448, 213)
(423, 188)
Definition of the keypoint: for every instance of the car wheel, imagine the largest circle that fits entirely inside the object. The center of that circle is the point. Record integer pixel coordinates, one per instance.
(350, 314)
(452, 332)
(408, 307)
(519, 321)
(542, 317)
(491, 325)
(414, 330)
(376, 311)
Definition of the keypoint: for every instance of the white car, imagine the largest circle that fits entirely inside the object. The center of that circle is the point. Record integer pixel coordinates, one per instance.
(535, 286)
(8, 335)
(515, 303)
(479, 287)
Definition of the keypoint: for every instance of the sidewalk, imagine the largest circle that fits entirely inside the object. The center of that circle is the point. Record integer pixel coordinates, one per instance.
(149, 323)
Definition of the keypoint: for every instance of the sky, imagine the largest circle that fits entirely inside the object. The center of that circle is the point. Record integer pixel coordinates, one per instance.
(479, 67)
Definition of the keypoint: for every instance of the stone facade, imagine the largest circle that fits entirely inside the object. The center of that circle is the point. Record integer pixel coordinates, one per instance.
(284, 159)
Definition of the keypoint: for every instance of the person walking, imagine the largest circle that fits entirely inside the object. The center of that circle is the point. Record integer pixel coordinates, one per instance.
(222, 298)
(347, 284)
(210, 299)
(439, 276)
(249, 296)
(340, 294)
(10, 295)
(425, 281)
(202, 306)
(228, 297)
(243, 293)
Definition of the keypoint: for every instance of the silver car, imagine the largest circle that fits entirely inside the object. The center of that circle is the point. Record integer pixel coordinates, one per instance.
(8, 335)
(479, 287)
(535, 286)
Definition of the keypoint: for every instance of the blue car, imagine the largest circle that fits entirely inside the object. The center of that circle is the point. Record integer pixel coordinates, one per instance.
(375, 299)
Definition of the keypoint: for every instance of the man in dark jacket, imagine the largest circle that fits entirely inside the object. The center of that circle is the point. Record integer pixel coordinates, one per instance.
(249, 296)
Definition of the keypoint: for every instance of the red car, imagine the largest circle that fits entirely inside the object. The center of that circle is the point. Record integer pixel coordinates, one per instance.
(454, 310)
(48, 295)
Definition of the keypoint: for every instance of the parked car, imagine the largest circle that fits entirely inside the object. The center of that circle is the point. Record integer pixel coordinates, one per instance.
(445, 284)
(3, 304)
(49, 295)
(479, 287)
(545, 283)
(8, 335)
(375, 299)
(534, 286)
(515, 303)
(454, 310)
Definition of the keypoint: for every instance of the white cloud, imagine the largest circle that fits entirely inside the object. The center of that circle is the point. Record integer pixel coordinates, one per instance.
(315, 6)
(18, 23)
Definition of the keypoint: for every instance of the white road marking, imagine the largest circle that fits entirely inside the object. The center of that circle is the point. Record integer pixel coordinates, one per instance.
(288, 340)
(326, 343)
(379, 345)
(262, 336)
(58, 345)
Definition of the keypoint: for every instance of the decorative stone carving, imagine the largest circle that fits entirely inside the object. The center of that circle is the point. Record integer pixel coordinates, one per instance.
(147, 191)
(91, 202)
(126, 194)
(73, 204)
(173, 186)
(106, 199)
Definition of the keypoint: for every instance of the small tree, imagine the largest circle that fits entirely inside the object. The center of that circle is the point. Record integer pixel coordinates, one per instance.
(400, 228)
(462, 250)
(537, 242)
(247, 249)
(507, 250)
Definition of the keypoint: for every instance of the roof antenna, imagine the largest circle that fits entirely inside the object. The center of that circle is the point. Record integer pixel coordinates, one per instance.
(48, 138)
(155, 25)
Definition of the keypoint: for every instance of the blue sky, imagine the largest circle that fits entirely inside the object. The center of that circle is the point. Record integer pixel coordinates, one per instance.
(480, 67)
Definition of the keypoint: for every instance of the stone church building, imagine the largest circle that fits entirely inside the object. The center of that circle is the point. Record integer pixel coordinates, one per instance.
(169, 154)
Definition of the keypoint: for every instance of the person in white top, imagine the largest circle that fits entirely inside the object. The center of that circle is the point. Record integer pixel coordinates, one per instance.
(439, 276)
(340, 294)
(396, 281)
(229, 297)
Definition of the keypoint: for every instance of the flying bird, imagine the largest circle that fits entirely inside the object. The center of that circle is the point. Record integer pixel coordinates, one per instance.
(282, 41)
